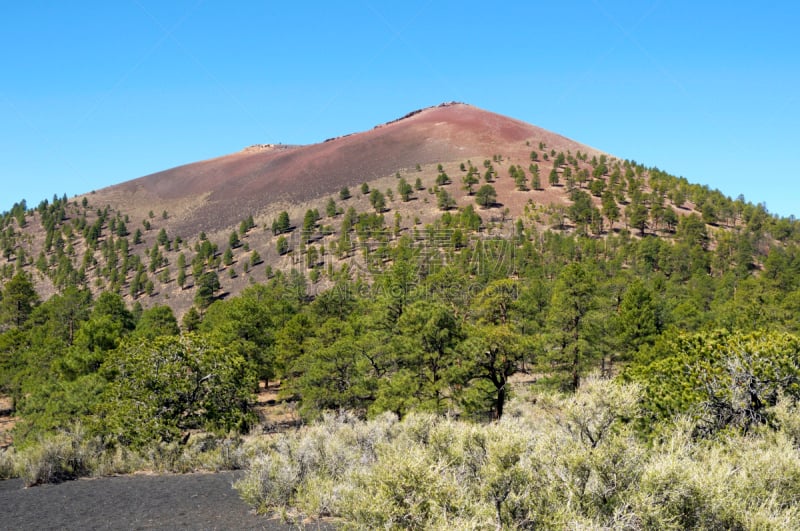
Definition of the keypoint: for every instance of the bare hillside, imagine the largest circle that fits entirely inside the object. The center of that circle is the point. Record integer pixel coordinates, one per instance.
(213, 194)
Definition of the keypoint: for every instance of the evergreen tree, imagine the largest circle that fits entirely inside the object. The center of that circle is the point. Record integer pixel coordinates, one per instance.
(378, 201)
(610, 208)
(469, 180)
(404, 190)
(142, 404)
(428, 335)
(536, 183)
(281, 224)
(206, 285)
(227, 257)
(282, 245)
(597, 187)
(19, 298)
(520, 179)
(233, 240)
(640, 317)
(155, 322)
(444, 201)
(580, 212)
(486, 196)
(571, 302)
(330, 208)
(553, 178)
(191, 320)
(636, 213)
(162, 237)
(309, 224)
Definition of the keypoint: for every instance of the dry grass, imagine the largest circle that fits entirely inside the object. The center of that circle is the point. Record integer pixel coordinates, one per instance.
(556, 462)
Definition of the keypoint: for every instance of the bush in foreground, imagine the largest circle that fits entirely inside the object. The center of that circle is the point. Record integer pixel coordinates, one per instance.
(70, 454)
(7, 463)
(162, 389)
(561, 462)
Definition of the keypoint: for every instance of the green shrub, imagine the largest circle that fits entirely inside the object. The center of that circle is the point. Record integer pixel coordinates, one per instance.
(58, 457)
(552, 462)
(725, 380)
(736, 483)
(407, 489)
(7, 463)
(71, 454)
(118, 460)
(200, 383)
(291, 475)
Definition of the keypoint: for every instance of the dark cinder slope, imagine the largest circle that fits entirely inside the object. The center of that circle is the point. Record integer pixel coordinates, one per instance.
(187, 501)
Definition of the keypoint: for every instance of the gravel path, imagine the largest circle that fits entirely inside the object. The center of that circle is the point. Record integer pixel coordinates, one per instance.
(189, 501)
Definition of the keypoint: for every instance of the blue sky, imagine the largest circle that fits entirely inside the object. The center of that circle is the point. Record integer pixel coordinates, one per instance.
(96, 93)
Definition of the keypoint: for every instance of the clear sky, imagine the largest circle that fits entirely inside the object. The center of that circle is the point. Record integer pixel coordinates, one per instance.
(93, 93)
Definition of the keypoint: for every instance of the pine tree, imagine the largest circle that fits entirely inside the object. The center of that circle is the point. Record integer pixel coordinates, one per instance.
(18, 300)
(378, 201)
(282, 245)
(469, 180)
(486, 196)
(444, 200)
(536, 183)
(330, 208)
(570, 303)
(553, 178)
(281, 224)
(404, 190)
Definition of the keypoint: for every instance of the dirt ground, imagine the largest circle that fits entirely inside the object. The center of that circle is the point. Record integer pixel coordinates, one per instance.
(186, 501)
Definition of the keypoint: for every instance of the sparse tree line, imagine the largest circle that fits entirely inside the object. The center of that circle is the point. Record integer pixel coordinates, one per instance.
(91, 247)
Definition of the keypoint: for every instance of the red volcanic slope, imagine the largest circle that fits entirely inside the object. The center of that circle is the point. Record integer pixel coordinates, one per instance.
(222, 191)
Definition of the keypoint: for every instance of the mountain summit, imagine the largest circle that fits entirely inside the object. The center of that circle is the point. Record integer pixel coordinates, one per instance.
(213, 194)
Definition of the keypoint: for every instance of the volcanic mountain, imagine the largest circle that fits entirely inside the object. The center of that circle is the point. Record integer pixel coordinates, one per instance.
(216, 194)
(152, 238)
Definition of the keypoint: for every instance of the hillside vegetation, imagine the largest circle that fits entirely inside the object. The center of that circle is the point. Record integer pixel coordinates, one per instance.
(421, 303)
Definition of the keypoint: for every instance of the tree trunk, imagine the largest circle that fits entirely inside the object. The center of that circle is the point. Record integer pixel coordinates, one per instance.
(500, 402)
